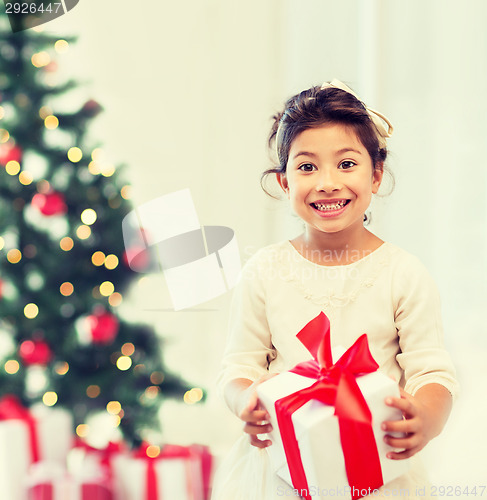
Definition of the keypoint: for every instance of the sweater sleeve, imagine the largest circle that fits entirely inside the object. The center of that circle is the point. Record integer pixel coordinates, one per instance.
(249, 347)
(422, 355)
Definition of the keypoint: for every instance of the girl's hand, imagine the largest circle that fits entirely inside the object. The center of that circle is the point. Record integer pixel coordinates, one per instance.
(254, 415)
(422, 420)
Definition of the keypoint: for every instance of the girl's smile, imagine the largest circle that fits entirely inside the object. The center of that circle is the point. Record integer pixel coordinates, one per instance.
(330, 179)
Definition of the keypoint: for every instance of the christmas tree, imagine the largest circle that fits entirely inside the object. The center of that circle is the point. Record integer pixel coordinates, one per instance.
(63, 265)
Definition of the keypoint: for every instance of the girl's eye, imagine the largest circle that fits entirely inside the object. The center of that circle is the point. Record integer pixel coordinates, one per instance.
(344, 165)
(306, 167)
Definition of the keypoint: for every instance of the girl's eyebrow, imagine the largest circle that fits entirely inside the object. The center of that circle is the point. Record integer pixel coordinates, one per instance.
(339, 152)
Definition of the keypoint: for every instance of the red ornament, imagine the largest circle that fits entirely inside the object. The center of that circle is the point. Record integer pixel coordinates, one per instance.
(51, 203)
(35, 352)
(9, 153)
(91, 108)
(103, 327)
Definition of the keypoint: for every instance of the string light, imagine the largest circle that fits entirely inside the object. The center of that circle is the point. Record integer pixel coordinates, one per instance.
(66, 289)
(44, 112)
(62, 367)
(98, 258)
(4, 136)
(66, 244)
(93, 391)
(115, 299)
(124, 363)
(83, 232)
(111, 261)
(114, 407)
(128, 349)
(151, 392)
(75, 154)
(153, 451)
(126, 192)
(61, 46)
(51, 122)
(12, 167)
(107, 170)
(107, 288)
(93, 168)
(2, 243)
(25, 178)
(12, 366)
(14, 256)
(82, 430)
(116, 420)
(193, 395)
(96, 154)
(88, 216)
(49, 398)
(157, 378)
(31, 311)
(2, 112)
(41, 59)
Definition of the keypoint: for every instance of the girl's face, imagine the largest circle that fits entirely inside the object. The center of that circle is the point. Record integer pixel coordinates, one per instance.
(329, 179)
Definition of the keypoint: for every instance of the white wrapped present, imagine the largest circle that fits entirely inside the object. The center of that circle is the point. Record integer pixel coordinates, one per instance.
(338, 449)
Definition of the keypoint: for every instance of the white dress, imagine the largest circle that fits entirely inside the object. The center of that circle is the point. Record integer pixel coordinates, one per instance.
(387, 294)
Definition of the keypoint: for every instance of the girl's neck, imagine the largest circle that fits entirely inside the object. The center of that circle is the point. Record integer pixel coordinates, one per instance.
(332, 249)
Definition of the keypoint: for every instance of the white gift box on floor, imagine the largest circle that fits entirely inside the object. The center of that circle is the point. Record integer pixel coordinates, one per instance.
(54, 432)
(53, 428)
(14, 458)
(318, 435)
(177, 478)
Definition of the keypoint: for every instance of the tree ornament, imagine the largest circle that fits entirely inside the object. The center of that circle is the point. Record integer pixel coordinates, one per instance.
(51, 203)
(35, 352)
(103, 327)
(91, 108)
(9, 152)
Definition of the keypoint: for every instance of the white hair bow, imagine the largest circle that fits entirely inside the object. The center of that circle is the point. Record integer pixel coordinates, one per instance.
(377, 118)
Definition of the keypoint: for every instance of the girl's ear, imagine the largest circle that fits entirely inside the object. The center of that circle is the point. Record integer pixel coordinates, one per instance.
(282, 180)
(377, 177)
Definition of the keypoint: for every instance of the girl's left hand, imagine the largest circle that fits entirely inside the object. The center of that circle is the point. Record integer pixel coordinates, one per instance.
(416, 425)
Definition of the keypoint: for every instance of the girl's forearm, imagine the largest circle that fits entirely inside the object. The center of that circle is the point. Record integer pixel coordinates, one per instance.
(438, 402)
(233, 393)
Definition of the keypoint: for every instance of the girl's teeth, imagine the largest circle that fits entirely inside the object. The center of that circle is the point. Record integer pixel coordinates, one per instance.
(331, 206)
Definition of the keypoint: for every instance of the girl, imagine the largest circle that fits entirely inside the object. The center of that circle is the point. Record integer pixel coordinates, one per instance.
(331, 150)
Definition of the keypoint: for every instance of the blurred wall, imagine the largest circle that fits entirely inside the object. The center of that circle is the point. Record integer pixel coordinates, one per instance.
(188, 90)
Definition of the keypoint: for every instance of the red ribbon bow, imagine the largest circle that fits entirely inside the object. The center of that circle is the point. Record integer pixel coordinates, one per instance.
(11, 409)
(336, 386)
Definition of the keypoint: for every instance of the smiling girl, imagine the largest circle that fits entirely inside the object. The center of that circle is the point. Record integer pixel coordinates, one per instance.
(331, 150)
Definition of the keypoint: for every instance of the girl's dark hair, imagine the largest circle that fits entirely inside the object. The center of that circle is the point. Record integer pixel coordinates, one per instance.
(315, 107)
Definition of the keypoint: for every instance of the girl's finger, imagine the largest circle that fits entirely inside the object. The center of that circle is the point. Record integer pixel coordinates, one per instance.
(255, 429)
(406, 426)
(259, 443)
(403, 404)
(402, 455)
(255, 416)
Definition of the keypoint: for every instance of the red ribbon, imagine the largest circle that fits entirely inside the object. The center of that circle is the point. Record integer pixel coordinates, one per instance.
(335, 386)
(167, 452)
(11, 409)
(105, 455)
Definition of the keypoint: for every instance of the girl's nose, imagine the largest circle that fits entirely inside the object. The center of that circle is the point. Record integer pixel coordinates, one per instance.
(328, 181)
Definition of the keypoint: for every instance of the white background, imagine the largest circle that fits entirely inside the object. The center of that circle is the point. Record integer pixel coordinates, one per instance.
(188, 90)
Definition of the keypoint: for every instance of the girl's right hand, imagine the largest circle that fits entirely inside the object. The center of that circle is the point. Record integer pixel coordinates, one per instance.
(254, 415)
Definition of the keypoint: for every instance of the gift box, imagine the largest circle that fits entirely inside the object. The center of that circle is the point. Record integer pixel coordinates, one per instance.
(26, 437)
(327, 418)
(51, 481)
(176, 473)
(84, 457)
